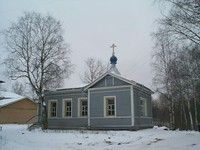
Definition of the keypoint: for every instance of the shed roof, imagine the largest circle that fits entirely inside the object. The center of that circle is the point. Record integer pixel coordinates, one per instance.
(7, 98)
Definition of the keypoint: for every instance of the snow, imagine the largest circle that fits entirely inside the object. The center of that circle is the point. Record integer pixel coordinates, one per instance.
(18, 137)
(73, 87)
(8, 98)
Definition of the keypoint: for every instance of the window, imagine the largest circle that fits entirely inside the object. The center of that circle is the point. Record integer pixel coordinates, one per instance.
(83, 107)
(143, 106)
(53, 108)
(67, 110)
(110, 106)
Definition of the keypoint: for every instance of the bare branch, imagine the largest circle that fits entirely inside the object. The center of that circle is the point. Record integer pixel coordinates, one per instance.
(94, 69)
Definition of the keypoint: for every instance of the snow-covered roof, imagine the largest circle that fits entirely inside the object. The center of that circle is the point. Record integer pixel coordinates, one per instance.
(85, 87)
(72, 87)
(7, 98)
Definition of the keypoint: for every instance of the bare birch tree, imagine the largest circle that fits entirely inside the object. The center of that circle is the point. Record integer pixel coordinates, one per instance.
(37, 52)
(183, 20)
(94, 69)
(163, 54)
(175, 69)
(181, 24)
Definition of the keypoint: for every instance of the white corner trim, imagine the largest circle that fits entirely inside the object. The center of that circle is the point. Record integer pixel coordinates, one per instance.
(132, 107)
(89, 107)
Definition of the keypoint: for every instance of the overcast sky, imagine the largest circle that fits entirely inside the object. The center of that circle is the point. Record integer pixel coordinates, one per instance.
(92, 26)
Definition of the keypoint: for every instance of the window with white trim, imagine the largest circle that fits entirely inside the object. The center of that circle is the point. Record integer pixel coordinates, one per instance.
(83, 107)
(109, 106)
(143, 107)
(53, 108)
(67, 110)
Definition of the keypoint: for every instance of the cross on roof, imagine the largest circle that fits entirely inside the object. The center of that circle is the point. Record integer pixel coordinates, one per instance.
(113, 47)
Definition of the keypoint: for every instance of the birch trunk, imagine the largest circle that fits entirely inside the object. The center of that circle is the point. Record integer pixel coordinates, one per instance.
(171, 114)
(190, 115)
(196, 114)
(185, 117)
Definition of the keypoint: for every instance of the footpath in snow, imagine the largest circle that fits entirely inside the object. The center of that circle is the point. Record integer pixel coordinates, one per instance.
(17, 137)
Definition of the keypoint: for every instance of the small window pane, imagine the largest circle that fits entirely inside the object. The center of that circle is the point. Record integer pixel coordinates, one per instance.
(143, 107)
(83, 108)
(68, 108)
(110, 106)
(53, 109)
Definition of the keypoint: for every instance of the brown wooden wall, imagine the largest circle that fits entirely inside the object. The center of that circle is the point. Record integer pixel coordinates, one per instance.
(19, 112)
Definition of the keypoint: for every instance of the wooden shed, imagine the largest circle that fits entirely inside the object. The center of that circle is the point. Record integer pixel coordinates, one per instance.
(16, 109)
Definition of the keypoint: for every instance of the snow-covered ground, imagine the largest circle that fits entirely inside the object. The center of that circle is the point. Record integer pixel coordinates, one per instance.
(17, 137)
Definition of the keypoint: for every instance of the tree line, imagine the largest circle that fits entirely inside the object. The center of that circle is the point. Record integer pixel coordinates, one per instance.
(176, 63)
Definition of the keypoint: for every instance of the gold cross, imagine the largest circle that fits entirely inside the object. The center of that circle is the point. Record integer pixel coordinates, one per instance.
(113, 47)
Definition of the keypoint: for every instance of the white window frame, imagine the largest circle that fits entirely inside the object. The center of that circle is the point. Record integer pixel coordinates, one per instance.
(80, 107)
(106, 98)
(64, 108)
(49, 108)
(143, 108)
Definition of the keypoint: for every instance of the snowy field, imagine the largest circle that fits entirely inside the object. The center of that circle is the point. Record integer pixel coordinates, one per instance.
(17, 137)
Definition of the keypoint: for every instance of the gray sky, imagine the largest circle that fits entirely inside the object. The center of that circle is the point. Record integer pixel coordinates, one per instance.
(91, 26)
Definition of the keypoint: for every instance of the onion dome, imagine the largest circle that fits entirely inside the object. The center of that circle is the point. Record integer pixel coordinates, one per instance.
(113, 59)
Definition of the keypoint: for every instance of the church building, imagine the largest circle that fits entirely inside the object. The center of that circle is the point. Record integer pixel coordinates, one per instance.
(109, 102)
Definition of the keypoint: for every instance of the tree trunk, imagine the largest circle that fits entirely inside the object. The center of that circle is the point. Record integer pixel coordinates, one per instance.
(181, 113)
(171, 114)
(39, 110)
(43, 114)
(190, 115)
(185, 117)
(195, 114)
